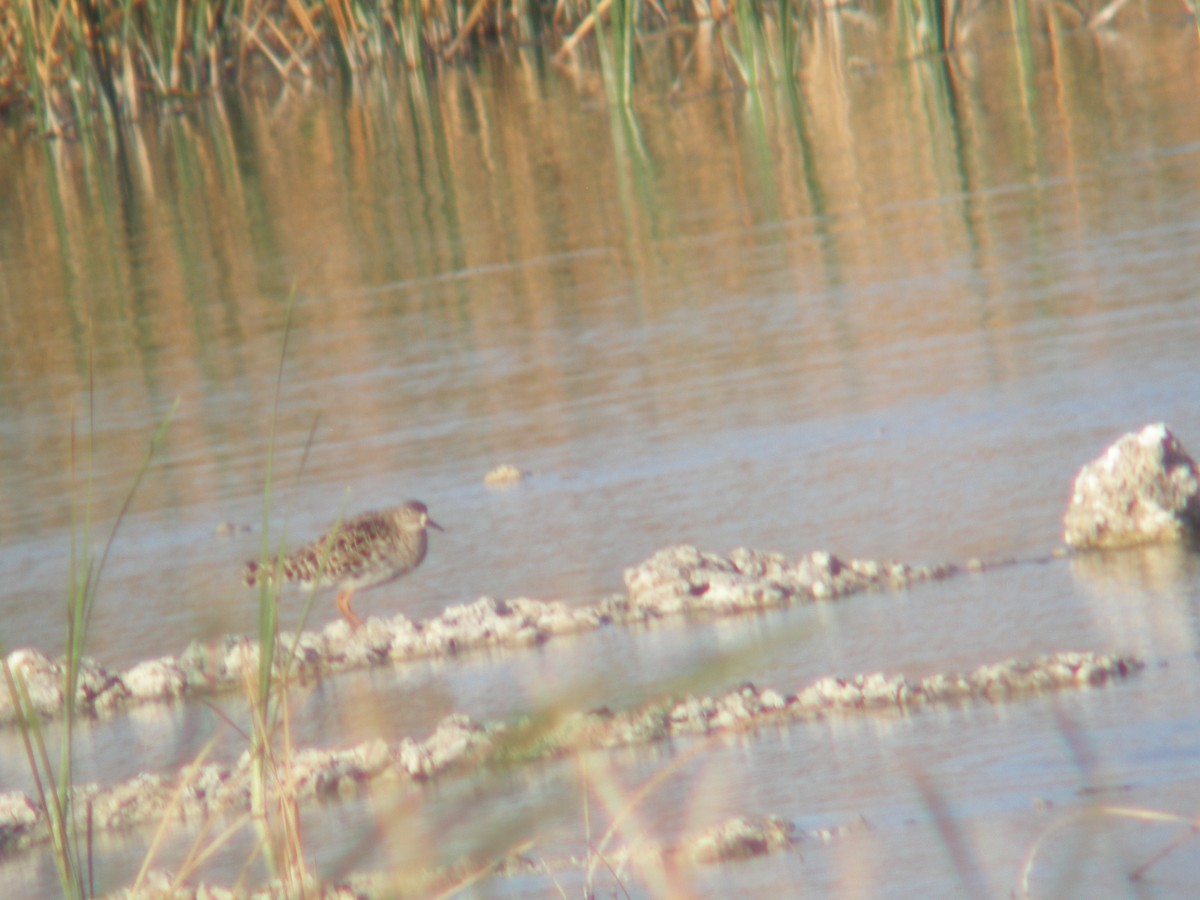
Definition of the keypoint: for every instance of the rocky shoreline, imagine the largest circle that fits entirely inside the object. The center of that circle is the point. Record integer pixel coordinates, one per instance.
(673, 582)
(1144, 488)
(459, 743)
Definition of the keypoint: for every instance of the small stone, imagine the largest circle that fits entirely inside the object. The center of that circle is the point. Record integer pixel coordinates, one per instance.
(772, 700)
(18, 818)
(743, 837)
(504, 476)
(156, 679)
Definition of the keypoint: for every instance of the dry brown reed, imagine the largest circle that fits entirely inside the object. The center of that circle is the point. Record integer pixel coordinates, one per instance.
(64, 64)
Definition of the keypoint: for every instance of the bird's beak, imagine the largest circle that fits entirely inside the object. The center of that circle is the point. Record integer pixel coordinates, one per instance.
(429, 523)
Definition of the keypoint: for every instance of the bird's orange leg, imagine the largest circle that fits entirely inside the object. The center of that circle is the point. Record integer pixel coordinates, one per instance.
(343, 605)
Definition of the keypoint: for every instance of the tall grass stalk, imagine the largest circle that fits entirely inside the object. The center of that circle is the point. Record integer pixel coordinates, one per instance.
(789, 39)
(267, 694)
(615, 48)
(55, 788)
(624, 805)
(344, 37)
(70, 875)
(409, 32)
(267, 607)
(929, 26)
(85, 572)
(268, 593)
(31, 45)
(624, 21)
(94, 40)
(751, 42)
(185, 782)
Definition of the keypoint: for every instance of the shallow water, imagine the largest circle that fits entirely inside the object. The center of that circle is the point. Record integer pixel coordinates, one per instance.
(856, 328)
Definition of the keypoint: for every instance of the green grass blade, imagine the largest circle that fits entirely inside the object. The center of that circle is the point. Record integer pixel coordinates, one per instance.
(57, 812)
(267, 604)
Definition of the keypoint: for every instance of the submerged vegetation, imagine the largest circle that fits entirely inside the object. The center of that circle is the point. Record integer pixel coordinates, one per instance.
(65, 64)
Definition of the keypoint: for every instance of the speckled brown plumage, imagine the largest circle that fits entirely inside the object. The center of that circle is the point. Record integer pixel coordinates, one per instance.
(363, 552)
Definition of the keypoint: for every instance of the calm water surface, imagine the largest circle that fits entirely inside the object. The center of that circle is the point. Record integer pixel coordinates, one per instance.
(890, 323)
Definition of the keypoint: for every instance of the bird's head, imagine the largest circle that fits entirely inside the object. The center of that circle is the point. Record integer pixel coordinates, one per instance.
(414, 516)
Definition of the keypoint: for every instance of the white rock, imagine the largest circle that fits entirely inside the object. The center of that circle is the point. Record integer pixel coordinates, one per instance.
(1144, 488)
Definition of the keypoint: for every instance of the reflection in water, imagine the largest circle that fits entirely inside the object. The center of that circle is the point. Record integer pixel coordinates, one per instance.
(1153, 569)
(884, 310)
(1145, 598)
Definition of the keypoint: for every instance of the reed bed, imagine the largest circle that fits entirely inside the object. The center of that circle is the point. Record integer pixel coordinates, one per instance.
(65, 66)
(66, 63)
